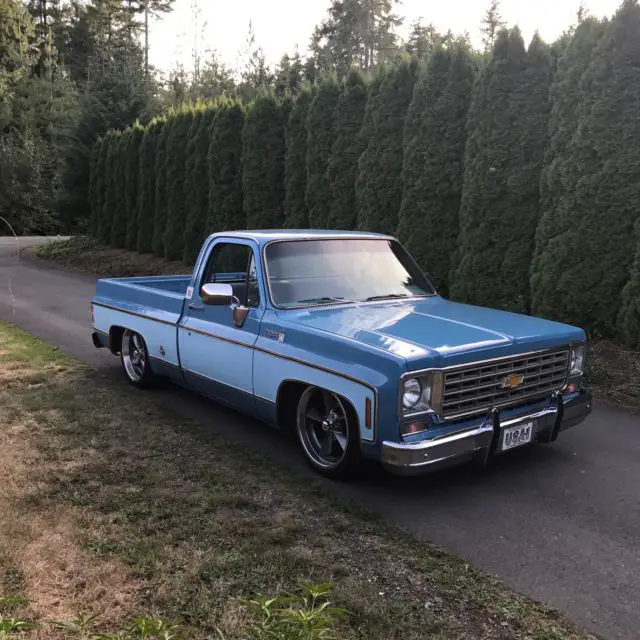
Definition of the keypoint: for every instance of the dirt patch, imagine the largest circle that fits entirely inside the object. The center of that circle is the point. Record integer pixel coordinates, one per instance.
(614, 375)
(141, 510)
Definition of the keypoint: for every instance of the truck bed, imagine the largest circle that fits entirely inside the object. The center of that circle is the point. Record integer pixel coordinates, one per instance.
(157, 297)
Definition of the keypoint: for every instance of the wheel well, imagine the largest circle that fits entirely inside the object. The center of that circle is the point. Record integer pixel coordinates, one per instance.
(115, 339)
(287, 404)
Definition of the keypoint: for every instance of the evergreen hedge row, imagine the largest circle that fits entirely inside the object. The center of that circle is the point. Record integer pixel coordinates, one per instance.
(513, 179)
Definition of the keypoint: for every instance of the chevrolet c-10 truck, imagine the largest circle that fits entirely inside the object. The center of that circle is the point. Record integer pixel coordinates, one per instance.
(341, 338)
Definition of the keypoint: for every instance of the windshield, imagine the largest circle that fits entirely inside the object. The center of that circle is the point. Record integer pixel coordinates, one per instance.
(310, 272)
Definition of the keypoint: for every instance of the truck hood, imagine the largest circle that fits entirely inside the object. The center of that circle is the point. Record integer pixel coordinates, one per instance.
(434, 332)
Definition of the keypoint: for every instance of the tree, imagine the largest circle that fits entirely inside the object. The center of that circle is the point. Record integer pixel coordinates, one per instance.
(434, 160)
(320, 136)
(161, 191)
(226, 210)
(422, 39)
(565, 97)
(289, 75)
(295, 207)
(587, 261)
(500, 207)
(263, 152)
(131, 177)
(109, 204)
(492, 23)
(379, 177)
(356, 32)
(96, 181)
(195, 183)
(147, 185)
(17, 33)
(347, 148)
(629, 317)
(117, 203)
(176, 173)
(254, 73)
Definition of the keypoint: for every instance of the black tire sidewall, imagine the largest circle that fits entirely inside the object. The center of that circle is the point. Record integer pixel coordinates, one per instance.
(148, 379)
(349, 466)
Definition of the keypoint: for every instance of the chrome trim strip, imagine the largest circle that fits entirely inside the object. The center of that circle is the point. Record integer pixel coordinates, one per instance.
(133, 313)
(216, 336)
(222, 384)
(343, 302)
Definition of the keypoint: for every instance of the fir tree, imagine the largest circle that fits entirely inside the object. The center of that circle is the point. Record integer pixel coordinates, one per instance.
(346, 150)
(508, 124)
(161, 191)
(434, 160)
(147, 185)
(320, 137)
(197, 188)
(176, 173)
(105, 220)
(295, 208)
(96, 180)
(263, 151)
(226, 210)
(131, 177)
(565, 99)
(379, 178)
(593, 255)
(629, 318)
(118, 206)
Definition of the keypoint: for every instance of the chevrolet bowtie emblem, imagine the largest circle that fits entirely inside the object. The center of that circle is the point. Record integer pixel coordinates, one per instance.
(512, 382)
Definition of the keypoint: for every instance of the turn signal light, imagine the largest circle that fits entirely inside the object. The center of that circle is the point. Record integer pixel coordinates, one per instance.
(409, 428)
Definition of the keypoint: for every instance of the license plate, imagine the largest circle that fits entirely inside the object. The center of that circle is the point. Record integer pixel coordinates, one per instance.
(513, 437)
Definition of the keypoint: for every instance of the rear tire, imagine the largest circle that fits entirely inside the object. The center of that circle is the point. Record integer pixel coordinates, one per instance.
(135, 360)
(327, 430)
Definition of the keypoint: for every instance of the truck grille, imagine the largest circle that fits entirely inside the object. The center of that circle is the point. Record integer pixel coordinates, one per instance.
(477, 388)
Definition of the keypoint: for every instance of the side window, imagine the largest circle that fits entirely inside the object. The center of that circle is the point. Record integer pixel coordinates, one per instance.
(234, 264)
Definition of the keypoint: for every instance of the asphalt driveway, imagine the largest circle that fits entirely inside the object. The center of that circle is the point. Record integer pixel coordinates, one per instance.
(559, 523)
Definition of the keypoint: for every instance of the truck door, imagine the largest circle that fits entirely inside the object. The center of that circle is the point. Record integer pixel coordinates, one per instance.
(216, 353)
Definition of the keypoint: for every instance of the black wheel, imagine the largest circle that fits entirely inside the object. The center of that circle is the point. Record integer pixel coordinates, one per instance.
(135, 360)
(328, 433)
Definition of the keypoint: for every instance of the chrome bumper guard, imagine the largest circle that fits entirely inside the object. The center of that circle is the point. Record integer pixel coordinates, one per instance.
(481, 442)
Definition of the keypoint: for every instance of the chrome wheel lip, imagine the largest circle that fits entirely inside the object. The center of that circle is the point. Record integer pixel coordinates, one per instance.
(309, 429)
(134, 357)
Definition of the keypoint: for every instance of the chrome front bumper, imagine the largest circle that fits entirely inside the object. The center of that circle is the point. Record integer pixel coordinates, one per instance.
(483, 441)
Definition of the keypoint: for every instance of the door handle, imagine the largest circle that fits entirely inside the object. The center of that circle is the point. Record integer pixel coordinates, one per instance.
(196, 307)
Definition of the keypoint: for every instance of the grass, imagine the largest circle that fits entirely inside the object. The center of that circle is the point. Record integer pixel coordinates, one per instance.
(120, 508)
(612, 371)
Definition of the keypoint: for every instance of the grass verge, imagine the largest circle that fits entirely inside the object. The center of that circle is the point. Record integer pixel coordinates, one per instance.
(612, 371)
(115, 506)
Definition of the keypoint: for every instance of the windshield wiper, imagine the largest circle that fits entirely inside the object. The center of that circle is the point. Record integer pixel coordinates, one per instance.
(323, 299)
(385, 296)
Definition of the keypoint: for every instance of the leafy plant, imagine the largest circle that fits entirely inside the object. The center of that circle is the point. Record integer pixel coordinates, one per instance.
(9, 626)
(146, 629)
(80, 626)
(305, 616)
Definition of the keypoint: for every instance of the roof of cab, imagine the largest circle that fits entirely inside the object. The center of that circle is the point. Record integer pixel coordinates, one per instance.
(263, 236)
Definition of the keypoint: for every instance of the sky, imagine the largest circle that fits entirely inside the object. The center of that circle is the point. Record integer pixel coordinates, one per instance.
(280, 25)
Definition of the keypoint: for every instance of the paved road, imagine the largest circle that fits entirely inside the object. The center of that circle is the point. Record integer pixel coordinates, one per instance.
(559, 523)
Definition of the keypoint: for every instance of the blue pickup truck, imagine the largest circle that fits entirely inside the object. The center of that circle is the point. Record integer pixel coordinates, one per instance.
(341, 338)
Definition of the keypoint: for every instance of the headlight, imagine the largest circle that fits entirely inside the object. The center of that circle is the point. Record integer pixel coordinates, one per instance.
(577, 360)
(416, 394)
(411, 393)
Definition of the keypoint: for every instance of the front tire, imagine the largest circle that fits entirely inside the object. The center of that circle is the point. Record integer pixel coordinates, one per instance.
(328, 433)
(134, 357)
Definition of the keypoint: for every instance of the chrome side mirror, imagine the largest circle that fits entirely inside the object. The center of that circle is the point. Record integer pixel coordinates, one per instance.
(215, 293)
